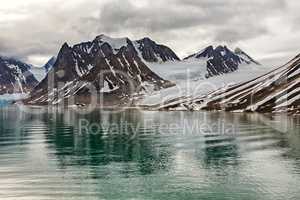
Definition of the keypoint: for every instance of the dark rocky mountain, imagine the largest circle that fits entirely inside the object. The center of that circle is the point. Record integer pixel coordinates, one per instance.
(221, 60)
(106, 67)
(207, 52)
(15, 76)
(150, 51)
(49, 64)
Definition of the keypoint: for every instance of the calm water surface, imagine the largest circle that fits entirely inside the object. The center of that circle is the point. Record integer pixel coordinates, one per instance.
(148, 155)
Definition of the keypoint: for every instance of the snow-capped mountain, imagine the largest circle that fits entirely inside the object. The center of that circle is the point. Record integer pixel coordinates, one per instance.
(109, 66)
(15, 76)
(49, 64)
(150, 51)
(221, 60)
(276, 91)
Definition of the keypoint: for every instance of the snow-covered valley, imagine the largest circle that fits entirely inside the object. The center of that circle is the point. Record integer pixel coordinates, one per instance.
(191, 82)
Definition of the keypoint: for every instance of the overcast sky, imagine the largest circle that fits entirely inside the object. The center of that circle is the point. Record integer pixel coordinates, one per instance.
(34, 30)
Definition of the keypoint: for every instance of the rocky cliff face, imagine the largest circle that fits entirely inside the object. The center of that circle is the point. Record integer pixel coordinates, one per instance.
(15, 76)
(150, 51)
(107, 67)
(221, 60)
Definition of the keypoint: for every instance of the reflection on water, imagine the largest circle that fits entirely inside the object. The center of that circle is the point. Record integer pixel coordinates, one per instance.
(148, 155)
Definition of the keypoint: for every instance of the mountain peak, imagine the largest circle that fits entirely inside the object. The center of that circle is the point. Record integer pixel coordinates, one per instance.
(220, 47)
(65, 49)
(65, 45)
(146, 39)
(209, 47)
(203, 53)
(221, 60)
(153, 52)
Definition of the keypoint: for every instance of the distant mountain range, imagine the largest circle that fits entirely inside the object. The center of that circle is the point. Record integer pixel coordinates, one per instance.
(119, 69)
(221, 60)
(15, 76)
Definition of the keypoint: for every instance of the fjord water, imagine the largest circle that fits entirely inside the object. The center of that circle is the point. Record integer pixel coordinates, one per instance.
(54, 154)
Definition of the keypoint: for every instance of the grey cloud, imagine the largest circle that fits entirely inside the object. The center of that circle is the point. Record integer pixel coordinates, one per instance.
(158, 18)
(240, 20)
(230, 35)
(183, 24)
(256, 4)
(45, 28)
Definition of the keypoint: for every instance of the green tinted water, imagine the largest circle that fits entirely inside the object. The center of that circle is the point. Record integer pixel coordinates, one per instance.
(148, 155)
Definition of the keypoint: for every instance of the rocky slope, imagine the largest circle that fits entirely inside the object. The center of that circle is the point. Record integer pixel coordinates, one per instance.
(221, 60)
(15, 76)
(106, 67)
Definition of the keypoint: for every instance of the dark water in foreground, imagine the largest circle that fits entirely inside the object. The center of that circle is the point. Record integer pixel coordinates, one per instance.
(148, 155)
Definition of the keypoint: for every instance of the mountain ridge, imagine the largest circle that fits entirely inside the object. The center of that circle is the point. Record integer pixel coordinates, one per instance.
(110, 65)
(221, 60)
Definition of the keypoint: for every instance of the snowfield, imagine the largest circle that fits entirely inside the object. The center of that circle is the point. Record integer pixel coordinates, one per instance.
(191, 82)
